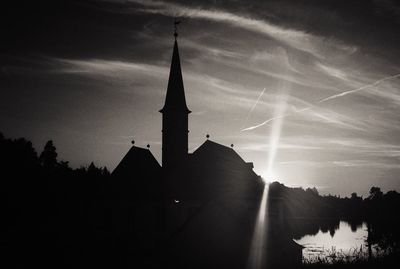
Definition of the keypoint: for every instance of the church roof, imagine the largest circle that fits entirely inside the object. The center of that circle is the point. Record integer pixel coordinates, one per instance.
(137, 162)
(219, 171)
(175, 98)
(216, 152)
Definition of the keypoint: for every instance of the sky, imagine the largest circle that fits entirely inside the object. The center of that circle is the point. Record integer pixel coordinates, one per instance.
(307, 90)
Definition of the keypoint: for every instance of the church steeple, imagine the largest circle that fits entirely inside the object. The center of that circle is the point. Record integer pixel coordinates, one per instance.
(175, 116)
(175, 98)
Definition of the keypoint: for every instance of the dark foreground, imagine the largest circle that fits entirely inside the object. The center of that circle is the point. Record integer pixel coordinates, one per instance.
(54, 216)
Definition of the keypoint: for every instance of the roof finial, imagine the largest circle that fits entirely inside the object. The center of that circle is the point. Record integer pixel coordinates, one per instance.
(176, 22)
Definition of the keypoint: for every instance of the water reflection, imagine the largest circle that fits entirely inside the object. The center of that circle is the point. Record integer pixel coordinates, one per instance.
(346, 239)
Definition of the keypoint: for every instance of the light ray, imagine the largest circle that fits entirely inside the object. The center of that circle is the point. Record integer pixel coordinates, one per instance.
(257, 258)
(276, 132)
(258, 243)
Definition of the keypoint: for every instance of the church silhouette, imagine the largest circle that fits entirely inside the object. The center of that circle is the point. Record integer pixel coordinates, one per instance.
(197, 210)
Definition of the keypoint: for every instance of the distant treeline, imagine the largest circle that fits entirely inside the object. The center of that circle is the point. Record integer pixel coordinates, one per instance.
(60, 217)
(308, 203)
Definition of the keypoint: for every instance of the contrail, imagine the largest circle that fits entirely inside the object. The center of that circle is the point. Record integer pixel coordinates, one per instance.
(263, 123)
(358, 89)
(253, 107)
(326, 99)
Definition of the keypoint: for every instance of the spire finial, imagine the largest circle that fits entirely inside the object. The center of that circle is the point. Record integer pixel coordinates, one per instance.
(176, 22)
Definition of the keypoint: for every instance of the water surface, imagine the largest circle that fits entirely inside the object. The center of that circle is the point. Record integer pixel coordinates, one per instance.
(345, 240)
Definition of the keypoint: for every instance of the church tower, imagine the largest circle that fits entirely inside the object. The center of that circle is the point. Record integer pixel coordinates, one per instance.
(175, 116)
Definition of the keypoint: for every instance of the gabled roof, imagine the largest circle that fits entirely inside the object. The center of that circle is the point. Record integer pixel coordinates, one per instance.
(218, 171)
(215, 152)
(137, 162)
(175, 98)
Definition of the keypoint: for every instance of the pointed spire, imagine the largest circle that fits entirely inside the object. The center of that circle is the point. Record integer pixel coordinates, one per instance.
(175, 98)
(176, 22)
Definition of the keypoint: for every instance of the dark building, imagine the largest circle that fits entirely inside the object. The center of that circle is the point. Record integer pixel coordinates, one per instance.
(219, 171)
(139, 174)
(137, 161)
(204, 203)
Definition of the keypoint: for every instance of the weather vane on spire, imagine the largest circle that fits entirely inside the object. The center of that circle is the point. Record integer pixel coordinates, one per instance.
(176, 22)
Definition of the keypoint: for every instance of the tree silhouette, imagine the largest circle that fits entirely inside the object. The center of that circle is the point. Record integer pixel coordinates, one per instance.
(375, 193)
(48, 158)
(106, 172)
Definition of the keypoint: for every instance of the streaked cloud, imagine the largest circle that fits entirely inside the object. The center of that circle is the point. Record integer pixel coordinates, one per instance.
(342, 164)
(332, 71)
(109, 67)
(228, 92)
(296, 39)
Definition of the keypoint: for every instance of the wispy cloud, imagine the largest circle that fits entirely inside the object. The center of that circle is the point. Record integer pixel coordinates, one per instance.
(332, 71)
(366, 147)
(294, 38)
(108, 67)
(213, 52)
(342, 164)
(331, 117)
(281, 146)
(386, 93)
(201, 86)
(366, 163)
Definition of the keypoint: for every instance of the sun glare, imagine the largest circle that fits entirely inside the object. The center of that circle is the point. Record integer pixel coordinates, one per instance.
(268, 177)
